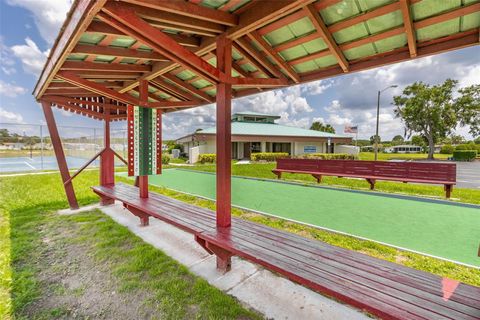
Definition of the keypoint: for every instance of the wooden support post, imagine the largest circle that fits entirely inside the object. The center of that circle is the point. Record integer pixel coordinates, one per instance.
(60, 155)
(448, 190)
(143, 180)
(224, 144)
(107, 160)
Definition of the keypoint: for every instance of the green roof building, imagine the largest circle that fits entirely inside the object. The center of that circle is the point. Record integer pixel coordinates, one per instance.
(257, 132)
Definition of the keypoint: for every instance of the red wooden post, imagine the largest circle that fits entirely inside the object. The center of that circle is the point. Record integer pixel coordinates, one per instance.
(107, 160)
(143, 180)
(224, 144)
(60, 155)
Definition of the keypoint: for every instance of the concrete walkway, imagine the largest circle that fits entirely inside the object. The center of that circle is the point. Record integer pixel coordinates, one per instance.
(257, 288)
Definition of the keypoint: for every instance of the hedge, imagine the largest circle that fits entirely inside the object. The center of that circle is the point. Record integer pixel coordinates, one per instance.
(165, 159)
(268, 156)
(447, 149)
(328, 156)
(207, 158)
(464, 155)
(468, 146)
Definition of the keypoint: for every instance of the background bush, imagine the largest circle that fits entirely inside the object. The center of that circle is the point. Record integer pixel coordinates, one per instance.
(468, 146)
(327, 156)
(447, 149)
(165, 159)
(464, 155)
(207, 158)
(268, 156)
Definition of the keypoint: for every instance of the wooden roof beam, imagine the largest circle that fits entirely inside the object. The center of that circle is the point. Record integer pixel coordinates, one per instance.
(189, 10)
(72, 108)
(86, 103)
(322, 29)
(251, 60)
(127, 21)
(256, 16)
(245, 44)
(103, 28)
(103, 67)
(96, 87)
(172, 90)
(187, 86)
(409, 30)
(118, 52)
(274, 56)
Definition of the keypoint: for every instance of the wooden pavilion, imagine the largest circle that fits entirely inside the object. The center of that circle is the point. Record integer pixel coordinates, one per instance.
(172, 55)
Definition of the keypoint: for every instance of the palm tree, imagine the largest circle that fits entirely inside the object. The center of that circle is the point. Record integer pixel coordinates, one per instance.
(318, 126)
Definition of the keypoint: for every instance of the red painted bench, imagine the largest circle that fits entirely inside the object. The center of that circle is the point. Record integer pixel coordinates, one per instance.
(382, 288)
(423, 172)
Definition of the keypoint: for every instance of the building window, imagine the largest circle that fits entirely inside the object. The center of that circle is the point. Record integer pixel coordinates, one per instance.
(281, 147)
(255, 147)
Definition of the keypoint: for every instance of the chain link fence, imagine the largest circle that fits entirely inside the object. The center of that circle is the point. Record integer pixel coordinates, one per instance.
(28, 147)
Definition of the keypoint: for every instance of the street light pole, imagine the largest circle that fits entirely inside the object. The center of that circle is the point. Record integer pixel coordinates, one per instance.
(376, 138)
(376, 128)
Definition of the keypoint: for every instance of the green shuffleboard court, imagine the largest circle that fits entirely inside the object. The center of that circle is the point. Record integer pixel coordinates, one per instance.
(449, 231)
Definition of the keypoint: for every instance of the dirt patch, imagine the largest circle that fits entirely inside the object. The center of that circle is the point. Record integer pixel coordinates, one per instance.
(74, 286)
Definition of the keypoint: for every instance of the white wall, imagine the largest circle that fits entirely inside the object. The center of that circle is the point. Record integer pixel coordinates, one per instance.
(298, 147)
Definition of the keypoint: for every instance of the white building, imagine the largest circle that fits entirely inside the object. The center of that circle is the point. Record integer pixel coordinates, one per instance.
(256, 132)
(404, 149)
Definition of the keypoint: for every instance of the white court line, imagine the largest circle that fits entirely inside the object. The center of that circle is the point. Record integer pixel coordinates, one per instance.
(28, 164)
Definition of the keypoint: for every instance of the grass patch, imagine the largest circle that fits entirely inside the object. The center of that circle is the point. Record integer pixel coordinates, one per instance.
(40, 258)
(264, 171)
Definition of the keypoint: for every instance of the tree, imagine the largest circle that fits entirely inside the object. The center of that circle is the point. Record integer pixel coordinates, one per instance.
(375, 139)
(432, 111)
(318, 126)
(418, 141)
(398, 139)
(468, 108)
(457, 139)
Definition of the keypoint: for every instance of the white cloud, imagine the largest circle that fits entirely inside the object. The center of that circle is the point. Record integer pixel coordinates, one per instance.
(11, 90)
(316, 87)
(31, 56)
(6, 61)
(10, 117)
(47, 14)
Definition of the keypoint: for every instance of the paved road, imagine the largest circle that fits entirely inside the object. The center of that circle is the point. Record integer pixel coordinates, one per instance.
(468, 175)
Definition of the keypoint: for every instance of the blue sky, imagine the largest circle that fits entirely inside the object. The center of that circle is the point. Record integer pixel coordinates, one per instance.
(29, 27)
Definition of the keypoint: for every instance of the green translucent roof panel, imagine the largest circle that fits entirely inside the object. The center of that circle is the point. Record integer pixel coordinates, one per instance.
(124, 42)
(76, 57)
(439, 30)
(391, 43)
(339, 11)
(429, 8)
(470, 21)
(270, 129)
(104, 58)
(91, 38)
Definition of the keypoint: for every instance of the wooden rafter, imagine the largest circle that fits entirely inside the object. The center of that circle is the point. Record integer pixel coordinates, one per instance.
(187, 86)
(172, 90)
(257, 15)
(118, 52)
(409, 30)
(322, 29)
(189, 10)
(127, 21)
(274, 56)
(449, 15)
(103, 67)
(258, 56)
(103, 28)
(96, 87)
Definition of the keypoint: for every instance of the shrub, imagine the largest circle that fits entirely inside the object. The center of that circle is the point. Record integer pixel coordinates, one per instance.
(468, 146)
(165, 159)
(464, 155)
(207, 158)
(328, 156)
(268, 156)
(447, 149)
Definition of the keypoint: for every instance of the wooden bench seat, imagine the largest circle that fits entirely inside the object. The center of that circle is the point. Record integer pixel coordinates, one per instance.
(382, 288)
(419, 172)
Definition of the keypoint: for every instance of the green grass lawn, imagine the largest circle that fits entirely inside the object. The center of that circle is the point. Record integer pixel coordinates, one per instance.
(29, 227)
(264, 171)
(27, 216)
(401, 156)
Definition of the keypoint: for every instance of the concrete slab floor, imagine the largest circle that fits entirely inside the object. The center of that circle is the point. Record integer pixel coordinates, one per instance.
(273, 296)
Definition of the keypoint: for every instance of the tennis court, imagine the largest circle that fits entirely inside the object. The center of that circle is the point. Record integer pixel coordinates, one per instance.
(20, 164)
(446, 230)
